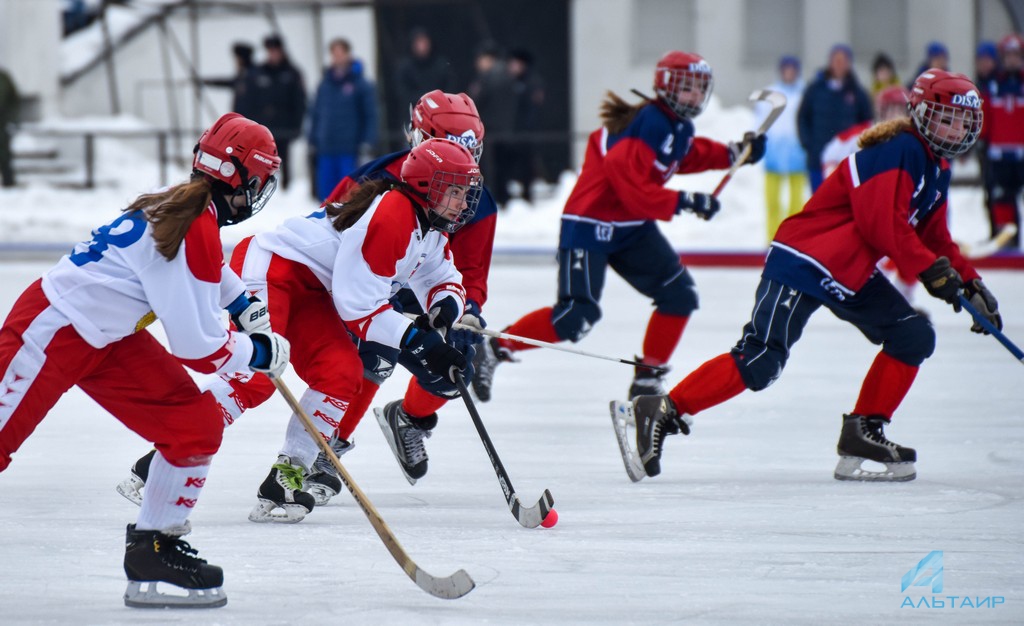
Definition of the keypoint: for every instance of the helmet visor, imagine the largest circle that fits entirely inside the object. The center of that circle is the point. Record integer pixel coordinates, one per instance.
(949, 130)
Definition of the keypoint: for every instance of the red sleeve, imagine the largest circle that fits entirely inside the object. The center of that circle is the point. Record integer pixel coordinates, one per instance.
(340, 190)
(472, 246)
(630, 168)
(705, 154)
(204, 253)
(388, 234)
(935, 235)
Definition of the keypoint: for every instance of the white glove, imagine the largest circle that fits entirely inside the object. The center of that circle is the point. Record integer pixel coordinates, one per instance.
(472, 320)
(270, 353)
(252, 318)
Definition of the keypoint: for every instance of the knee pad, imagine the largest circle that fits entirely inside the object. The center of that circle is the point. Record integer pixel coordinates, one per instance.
(759, 371)
(911, 341)
(573, 318)
(678, 296)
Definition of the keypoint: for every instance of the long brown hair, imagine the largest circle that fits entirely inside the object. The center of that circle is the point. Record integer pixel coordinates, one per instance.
(171, 212)
(616, 113)
(882, 132)
(344, 214)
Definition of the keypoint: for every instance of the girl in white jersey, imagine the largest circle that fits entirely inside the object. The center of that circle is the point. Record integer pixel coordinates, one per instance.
(84, 324)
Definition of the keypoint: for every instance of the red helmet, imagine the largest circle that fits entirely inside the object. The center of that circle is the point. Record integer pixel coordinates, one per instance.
(446, 176)
(439, 115)
(1012, 43)
(241, 154)
(891, 102)
(677, 75)
(946, 109)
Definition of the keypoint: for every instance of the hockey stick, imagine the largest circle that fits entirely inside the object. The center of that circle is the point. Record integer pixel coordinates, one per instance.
(778, 102)
(447, 587)
(990, 246)
(988, 326)
(529, 517)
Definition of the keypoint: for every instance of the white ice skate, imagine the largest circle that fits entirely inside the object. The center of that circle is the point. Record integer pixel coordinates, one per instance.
(624, 424)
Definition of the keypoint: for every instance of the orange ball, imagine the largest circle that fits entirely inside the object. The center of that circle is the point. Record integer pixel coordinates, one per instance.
(551, 519)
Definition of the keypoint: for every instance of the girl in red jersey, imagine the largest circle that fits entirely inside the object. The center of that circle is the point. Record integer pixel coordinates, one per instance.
(84, 324)
(888, 199)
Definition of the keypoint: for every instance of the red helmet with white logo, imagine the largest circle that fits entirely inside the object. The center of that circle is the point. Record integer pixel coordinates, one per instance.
(946, 109)
(241, 154)
(447, 178)
(683, 81)
(440, 115)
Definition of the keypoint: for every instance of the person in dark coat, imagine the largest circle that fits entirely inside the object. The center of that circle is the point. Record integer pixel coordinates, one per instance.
(494, 91)
(420, 72)
(833, 102)
(243, 83)
(9, 103)
(280, 101)
(343, 118)
(522, 153)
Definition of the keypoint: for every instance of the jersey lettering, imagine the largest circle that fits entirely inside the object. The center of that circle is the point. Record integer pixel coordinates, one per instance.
(121, 233)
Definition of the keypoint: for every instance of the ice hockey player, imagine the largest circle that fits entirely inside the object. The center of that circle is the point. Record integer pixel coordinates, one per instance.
(84, 323)
(887, 199)
(609, 220)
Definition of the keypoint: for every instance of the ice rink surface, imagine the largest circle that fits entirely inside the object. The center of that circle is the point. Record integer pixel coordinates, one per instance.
(745, 524)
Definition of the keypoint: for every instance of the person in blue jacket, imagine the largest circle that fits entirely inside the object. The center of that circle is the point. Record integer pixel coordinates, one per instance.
(833, 102)
(343, 119)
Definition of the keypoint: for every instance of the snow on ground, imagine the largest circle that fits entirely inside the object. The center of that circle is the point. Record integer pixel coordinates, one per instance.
(745, 525)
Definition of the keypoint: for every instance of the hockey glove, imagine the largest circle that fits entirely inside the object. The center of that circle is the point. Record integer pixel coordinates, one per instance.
(249, 314)
(758, 144)
(983, 300)
(943, 282)
(270, 353)
(462, 339)
(427, 346)
(703, 205)
(443, 314)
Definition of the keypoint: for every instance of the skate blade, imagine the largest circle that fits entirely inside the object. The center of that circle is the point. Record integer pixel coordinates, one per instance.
(623, 422)
(850, 468)
(321, 494)
(379, 414)
(269, 512)
(131, 489)
(145, 595)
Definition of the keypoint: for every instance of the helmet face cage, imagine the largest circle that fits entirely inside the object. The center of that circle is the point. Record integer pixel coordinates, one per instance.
(449, 191)
(946, 110)
(671, 81)
(420, 129)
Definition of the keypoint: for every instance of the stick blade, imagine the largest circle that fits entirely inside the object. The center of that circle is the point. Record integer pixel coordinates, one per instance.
(772, 97)
(447, 587)
(532, 516)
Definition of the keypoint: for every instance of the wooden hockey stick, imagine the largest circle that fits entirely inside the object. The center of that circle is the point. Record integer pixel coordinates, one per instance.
(990, 246)
(778, 102)
(528, 517)
(447, 587)
(988, 326)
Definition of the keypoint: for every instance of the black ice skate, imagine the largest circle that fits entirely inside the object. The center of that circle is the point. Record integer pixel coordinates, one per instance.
(647, 381)
(153, 557)
(131, 487)
(862, 440)
(281, 498)
(324, 483)
(405, 436)
(486, 360)
(656, 416)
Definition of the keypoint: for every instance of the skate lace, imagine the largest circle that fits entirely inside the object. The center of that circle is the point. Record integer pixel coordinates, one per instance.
(873, 431)
(322, 465)
(412, 441)
(290, 475)
(177, 553)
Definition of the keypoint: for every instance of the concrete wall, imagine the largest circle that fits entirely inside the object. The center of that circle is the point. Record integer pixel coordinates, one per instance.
(29, 46)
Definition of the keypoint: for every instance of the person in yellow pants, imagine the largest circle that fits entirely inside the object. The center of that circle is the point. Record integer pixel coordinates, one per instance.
(784, 161)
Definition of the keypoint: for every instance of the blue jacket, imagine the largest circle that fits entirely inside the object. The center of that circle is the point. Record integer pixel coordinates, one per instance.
(344, 113)
(827, 110)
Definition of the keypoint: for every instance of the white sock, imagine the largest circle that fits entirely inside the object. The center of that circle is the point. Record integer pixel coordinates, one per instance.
(171, 492)
(326, 413)
(230, 405)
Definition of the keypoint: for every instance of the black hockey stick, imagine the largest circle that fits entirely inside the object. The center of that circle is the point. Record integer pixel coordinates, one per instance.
(529, 517)
(992, 330)
(447, 587)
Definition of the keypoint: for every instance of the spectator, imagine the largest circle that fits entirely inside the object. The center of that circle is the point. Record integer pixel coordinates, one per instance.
(9, 103)
(883, 72)
(784, 159)
(1004, 133)
(422, 71)
(343, 118)
(986, 66)
(494, 92)
(280, 101)
(936, 55)
(243, 83)
(521, 154)
(834, 101)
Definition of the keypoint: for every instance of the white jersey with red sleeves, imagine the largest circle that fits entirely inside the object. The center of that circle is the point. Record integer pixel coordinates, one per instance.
(115, 284)
(363, 266)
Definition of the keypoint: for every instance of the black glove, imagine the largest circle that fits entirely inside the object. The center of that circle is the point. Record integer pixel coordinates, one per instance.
(983, 300)
(426, 345)
(703, 205)
(943, 282)
(758, 144)
(442, 315)
(462, 339)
